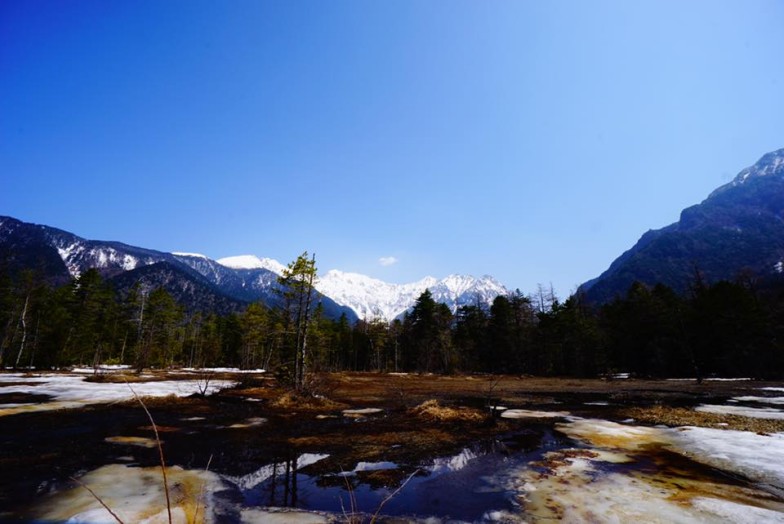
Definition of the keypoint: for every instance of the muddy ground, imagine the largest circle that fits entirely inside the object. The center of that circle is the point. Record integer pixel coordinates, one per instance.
(259, 422)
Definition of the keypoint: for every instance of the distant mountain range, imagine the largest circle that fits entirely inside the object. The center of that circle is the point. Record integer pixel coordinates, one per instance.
(738, 229)
(223, 285)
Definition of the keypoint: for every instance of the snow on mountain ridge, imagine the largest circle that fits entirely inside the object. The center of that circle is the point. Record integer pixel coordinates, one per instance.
(371, 298)
(252, 262)
(770, 164)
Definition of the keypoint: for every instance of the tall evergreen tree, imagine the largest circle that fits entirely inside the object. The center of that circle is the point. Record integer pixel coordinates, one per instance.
(298, 281)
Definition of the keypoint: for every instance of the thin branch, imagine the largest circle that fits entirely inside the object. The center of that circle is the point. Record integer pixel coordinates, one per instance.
(160, 451)
(85, 486)
(392, 495)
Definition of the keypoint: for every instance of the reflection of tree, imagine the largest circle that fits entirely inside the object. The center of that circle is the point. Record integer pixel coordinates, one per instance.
(289, 484)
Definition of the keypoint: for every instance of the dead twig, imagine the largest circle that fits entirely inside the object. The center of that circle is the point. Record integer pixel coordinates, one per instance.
(392, 495)
(99, 499)
(160, 452)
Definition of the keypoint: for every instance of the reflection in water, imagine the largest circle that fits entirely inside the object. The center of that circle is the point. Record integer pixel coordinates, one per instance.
(275, 484)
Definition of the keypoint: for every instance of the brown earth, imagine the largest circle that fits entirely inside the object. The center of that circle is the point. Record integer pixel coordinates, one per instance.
(421, 416)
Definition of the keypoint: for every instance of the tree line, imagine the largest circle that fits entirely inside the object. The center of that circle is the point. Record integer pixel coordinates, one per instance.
(724, 329)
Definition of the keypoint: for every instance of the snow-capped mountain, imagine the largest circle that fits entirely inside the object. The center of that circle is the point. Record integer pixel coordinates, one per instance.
(250, 281)
(243, 279)
(770, 164)
(252, 262)
(375, 299)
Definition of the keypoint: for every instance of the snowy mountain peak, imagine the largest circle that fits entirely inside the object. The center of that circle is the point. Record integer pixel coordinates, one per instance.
(252, 262)
(372, 299)
(770, 164)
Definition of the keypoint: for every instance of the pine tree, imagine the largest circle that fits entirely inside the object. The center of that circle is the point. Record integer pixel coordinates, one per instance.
(297, 282)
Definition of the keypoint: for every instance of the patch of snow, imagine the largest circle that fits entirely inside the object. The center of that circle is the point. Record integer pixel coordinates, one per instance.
(528, 413)
(135, 495)
(192, 255)
(735, 512)
(761, 400)
(742, 411)
(68, 254)
(72, 391)
(579, 487)
(252, 262)
(744, 452)
(612, 435)
(250, 423)
(362, 411)
(104, 368)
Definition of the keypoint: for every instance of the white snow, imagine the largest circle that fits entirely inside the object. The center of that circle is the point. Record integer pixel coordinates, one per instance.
(135, 495)
(249, 423)
(734, 512)
(193, 255)
(578, 487)
(222, 370)
(252, 262)
(373, 299)
(742, 411)
(756, 456)
(362, 411)
(744, 452)
(72, 391)
(67, 254)
(761, 400)
(527, 413)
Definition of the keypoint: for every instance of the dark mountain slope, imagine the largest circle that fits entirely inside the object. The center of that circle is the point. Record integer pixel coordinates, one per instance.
(738, 229)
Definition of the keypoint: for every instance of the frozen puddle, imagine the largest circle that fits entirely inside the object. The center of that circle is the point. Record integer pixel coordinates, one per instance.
(135, 495)
(70, 390)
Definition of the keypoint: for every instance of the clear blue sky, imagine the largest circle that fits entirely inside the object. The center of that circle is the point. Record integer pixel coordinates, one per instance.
(534, 141)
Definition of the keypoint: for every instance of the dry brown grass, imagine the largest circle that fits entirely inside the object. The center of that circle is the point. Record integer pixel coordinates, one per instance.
(434, 410)
(293, 402)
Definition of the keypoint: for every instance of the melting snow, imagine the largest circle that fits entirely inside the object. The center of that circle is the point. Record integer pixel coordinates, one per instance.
(527, 413)
(135, 495)
(742, 411)
(72, 391)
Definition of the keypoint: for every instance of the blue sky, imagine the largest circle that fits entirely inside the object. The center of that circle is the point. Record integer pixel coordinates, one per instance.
(534, 141)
